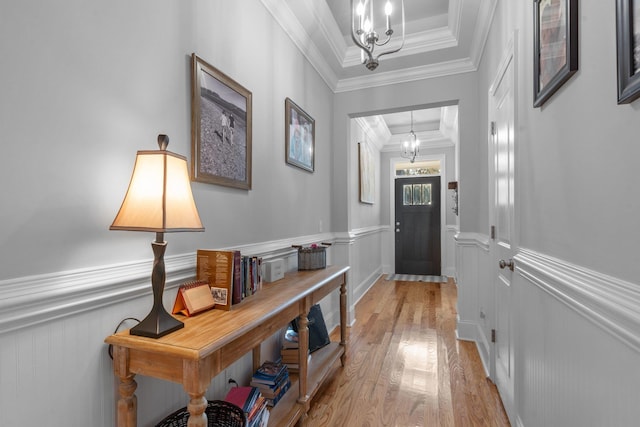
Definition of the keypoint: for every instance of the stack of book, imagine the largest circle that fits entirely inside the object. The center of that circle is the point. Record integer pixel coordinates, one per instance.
(272, 379)
(231, 275)
(289, 350)
(253, 404)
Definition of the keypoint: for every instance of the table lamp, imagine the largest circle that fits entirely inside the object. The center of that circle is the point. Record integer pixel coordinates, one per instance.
(158, 199)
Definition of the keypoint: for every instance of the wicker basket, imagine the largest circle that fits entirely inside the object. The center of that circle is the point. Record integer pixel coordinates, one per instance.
(312, 258)
(219, 414)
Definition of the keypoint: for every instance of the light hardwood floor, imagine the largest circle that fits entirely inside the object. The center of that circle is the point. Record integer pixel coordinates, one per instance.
(405, 367)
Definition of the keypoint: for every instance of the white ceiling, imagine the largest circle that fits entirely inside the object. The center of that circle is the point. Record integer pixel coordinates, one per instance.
(442, 37)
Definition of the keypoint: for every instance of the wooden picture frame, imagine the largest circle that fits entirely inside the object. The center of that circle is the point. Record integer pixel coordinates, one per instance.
(555, 46)
(366, 173)
(628, 48)
(300, 137)
(221, 121)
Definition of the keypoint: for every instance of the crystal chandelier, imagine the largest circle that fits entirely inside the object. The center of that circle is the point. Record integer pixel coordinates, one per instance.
(363, 31)
(411, 148)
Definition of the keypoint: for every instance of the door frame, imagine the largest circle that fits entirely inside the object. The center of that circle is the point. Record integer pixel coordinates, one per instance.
(509, 59)
(442, 157)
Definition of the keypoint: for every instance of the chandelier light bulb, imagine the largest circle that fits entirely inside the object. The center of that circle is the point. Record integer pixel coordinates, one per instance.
(388, 8)
(367, 25)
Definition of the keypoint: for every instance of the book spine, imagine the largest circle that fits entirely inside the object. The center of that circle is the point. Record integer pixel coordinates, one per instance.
(237, 277)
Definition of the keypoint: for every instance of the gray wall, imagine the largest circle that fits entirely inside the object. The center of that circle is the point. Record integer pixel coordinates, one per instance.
(575, 167)
(86, 85)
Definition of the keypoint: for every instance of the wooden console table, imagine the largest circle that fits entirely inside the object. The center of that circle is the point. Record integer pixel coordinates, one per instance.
(212, 341)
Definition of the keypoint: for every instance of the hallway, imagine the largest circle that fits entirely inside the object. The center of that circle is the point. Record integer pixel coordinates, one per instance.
(405, 367)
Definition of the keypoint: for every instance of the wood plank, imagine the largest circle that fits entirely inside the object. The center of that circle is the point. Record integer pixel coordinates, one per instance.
(404, 365)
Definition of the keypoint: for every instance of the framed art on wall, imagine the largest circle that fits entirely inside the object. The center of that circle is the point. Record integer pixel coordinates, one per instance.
(555, 46)
(366, 168)
(300, 137)
(628, 44)
(220, 128)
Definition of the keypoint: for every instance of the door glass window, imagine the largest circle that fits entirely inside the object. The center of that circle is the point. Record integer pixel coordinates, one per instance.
(407, 194)
(416, 194)
(424, 168)
(426, 194)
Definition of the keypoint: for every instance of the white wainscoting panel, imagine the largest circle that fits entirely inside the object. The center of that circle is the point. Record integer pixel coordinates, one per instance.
(362, 250)
(577, 345)
(475, 296)
(54, 365)
(449, 269)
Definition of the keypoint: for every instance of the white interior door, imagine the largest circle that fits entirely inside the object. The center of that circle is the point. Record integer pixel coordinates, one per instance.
(502, 167)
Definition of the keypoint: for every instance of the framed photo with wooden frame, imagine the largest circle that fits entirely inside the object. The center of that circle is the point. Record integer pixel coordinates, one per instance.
(220, 128)
(366, 168)
(628, 43)
(299, 136)
(555, 46)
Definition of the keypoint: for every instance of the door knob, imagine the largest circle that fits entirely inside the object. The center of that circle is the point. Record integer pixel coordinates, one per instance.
(509, 263)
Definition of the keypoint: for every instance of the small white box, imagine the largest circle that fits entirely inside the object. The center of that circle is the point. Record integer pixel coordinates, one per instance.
(273, 270)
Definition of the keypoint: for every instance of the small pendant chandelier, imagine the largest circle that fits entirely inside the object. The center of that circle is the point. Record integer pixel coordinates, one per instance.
(411, 148)
(363, 31)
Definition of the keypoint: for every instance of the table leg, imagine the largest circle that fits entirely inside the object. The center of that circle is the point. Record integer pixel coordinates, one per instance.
(256, 358)
(197, 406)
(127, 405)
(343, 319)
(303, 351)
(128, 402)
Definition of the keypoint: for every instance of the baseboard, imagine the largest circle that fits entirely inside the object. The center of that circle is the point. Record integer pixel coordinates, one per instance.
(466, 331)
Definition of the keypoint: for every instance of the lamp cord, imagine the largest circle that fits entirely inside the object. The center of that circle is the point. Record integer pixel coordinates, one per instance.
(110, 350)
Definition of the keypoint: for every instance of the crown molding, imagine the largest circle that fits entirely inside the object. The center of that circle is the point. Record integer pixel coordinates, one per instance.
(343, 55)
(329, 27)
(455, 17)
(458, 66)
(481, 32)
(287, 20)
(375, 129)
(424, 41)
(424, 145)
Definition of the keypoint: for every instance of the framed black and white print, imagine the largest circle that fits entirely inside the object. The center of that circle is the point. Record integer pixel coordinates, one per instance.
(628, 43)
(555, 46)
(220, 128)
(299, 136)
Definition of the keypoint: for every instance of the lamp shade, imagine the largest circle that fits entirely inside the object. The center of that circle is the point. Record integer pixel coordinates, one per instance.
(159, 196)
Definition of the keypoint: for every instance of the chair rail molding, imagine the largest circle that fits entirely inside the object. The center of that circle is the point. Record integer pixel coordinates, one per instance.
(31, 300)
(479, 240)
(608, 302)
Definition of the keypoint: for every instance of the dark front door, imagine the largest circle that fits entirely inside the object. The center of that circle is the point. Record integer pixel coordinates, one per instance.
(417, 226)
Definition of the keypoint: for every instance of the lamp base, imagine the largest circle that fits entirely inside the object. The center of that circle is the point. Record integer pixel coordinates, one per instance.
(157, 324)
